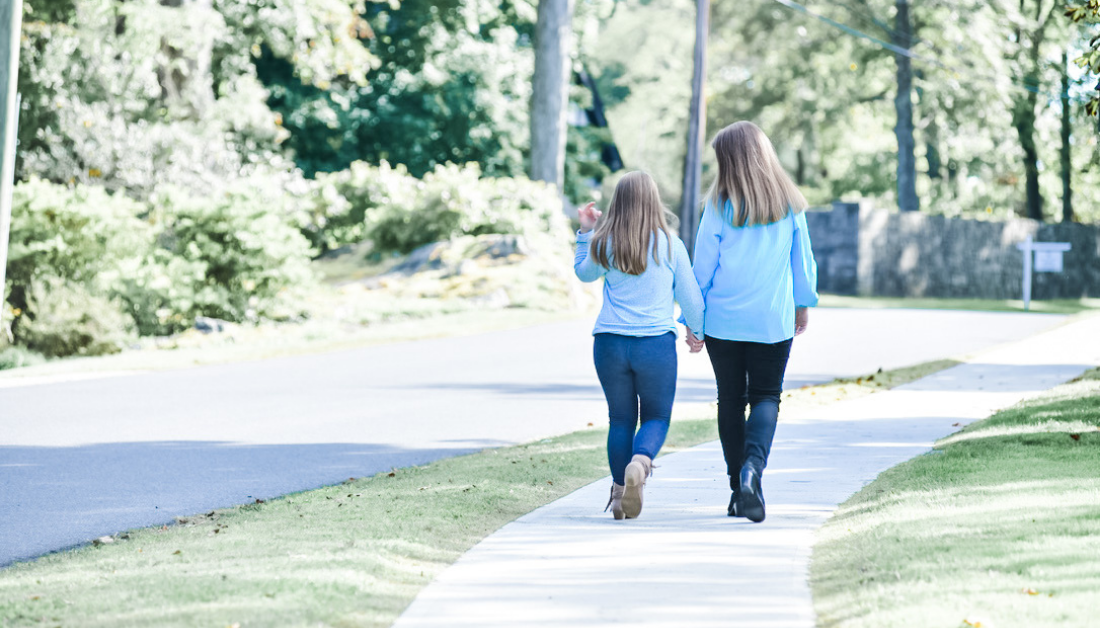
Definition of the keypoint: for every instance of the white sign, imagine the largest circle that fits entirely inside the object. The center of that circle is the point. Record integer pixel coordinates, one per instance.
(1048, 258)
(1048, 261)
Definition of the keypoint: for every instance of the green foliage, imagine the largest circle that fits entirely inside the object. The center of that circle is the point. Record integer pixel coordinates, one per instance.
(451, 85)
(66, 318)
(342, 200)
(15, 357)
(1088, 13)
(453, 200)
(68, 247)
(240, 260)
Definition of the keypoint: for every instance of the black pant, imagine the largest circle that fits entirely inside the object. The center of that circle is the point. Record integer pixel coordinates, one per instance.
(747, 372)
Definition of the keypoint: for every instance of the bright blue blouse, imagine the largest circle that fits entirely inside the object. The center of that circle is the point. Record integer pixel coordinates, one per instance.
(642, 305)
(752, 278)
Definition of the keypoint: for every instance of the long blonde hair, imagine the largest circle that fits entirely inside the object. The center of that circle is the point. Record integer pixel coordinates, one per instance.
(751, 178)
(631, 225)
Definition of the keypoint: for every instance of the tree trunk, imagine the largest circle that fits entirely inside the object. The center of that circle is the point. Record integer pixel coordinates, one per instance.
(1067, 162)
(550, 93)
(903, 104)
(187, 82)
(693, 161)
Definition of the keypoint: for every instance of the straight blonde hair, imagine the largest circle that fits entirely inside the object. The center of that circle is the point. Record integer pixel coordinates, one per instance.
(751, 178)
(631, 225)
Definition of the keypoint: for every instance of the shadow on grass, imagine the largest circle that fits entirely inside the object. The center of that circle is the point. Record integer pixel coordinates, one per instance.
(59, 497)
(999, 522)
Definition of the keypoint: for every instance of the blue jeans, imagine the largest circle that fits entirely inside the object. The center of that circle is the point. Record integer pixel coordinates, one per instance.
(747, 372)
(637, 373)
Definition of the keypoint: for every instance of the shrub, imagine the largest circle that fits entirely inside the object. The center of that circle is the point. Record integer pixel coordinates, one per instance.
(18, 357)
(238, 258)
(65, 318)
(454, 200)
(69, 246)
(342, 200)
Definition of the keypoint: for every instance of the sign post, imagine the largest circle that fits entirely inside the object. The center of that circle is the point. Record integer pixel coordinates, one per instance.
(1047, 259)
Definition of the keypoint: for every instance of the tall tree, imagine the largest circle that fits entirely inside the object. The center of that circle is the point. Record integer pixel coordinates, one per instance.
(1030, 36)
(550, 95)
(903, 104)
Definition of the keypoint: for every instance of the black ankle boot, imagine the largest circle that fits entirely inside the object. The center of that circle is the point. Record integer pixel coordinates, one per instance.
(751, 504)
(734, 509)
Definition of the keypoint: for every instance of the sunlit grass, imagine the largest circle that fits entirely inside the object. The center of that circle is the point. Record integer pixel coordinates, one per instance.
(1054, 306)
(355, 554)
(997, 526)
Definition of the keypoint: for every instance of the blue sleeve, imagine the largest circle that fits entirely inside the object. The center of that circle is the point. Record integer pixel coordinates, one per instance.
(586, 268)
(706, 248)
(686, 290)
(803, 266)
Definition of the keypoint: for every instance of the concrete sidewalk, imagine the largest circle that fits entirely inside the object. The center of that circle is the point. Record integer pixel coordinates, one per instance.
(683, 562)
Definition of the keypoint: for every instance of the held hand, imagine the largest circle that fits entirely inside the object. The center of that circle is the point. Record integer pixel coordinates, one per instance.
(801, 319)
(588, 216)
(694, 343)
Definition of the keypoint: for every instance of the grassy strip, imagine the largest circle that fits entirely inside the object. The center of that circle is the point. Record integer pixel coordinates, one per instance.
(1055, 306)
(349, 555)
(997, 526)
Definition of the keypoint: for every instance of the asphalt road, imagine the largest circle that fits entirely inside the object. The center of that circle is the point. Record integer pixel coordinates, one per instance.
(82, 459)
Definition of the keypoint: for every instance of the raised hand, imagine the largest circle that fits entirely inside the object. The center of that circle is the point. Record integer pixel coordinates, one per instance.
(589, 215)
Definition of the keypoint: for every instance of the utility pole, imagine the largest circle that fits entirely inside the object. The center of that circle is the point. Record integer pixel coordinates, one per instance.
(693, 162)
(11, 23)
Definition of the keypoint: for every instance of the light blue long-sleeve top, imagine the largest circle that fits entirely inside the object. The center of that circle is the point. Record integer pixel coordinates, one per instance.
(642, 305)
(752, 278)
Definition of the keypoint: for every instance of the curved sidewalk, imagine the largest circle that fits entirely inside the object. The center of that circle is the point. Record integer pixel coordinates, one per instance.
(683, 562)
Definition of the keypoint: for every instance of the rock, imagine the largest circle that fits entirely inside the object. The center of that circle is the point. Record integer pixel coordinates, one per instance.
(210, 325)
(497, 299)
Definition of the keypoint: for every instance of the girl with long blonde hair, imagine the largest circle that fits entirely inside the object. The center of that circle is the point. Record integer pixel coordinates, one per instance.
(645, 268)
(757, 273)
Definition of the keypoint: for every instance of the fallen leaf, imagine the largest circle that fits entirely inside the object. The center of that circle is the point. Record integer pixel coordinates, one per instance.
(1075, 436)
(550, 483)
(391, 474)
(259, 501)
(177, 552)
(590, 425)
(1029, 591)
(956, 424)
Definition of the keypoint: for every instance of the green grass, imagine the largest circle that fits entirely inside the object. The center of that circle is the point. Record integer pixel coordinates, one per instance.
(997, 526)
(1056, 306)
(355, 554)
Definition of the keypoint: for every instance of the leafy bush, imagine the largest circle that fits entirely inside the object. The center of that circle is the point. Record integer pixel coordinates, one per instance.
(239, 259)
(68, 319)
(18, 357)
(342, 200)
(83, 240)
(454, 200)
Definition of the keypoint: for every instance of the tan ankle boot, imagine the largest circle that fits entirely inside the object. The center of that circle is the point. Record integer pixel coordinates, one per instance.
(637, 471)
(615, 503)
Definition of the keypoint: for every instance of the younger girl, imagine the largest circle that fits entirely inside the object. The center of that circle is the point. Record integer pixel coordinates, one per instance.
(644, 268)
(755, 267)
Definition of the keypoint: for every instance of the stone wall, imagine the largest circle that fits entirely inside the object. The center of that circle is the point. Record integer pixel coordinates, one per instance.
(864, 251)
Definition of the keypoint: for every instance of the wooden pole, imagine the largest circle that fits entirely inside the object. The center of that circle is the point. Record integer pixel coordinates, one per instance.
(11, 20)
(693, 162)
